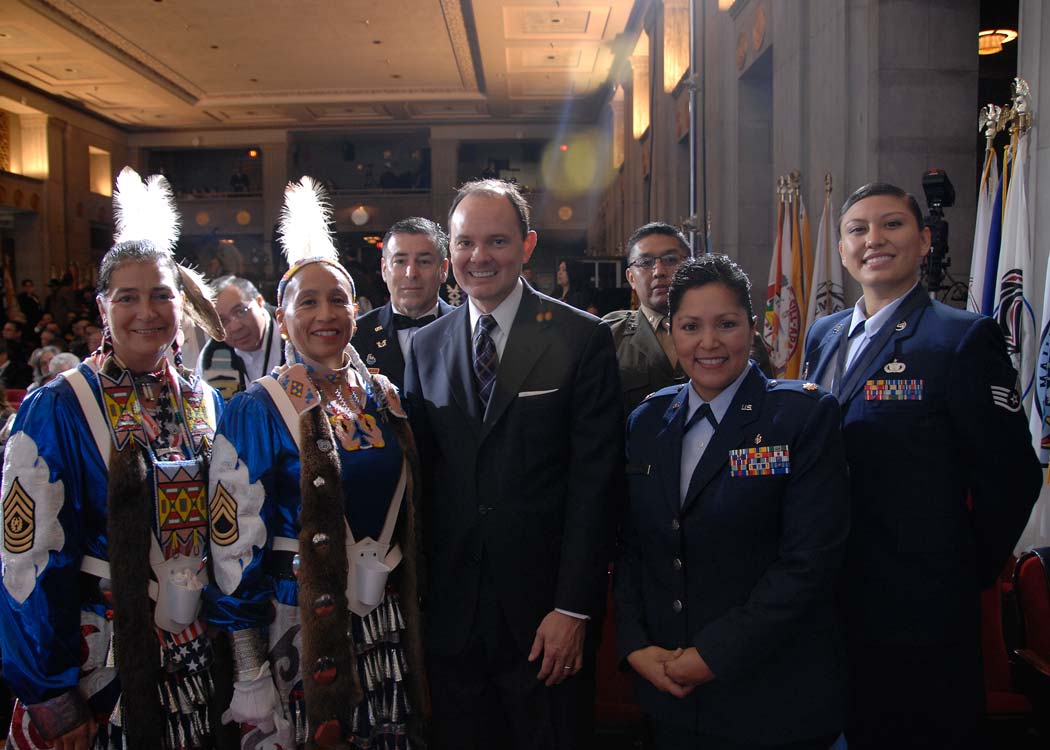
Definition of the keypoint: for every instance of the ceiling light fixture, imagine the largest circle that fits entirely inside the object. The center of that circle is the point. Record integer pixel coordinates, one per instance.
(991, 41)
(359, 216)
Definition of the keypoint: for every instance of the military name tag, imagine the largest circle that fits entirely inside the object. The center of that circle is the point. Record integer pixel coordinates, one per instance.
(893, 390)
(763, 461)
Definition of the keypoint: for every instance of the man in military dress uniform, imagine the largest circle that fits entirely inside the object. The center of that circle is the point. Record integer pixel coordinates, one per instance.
(643, 339)
(414, 266)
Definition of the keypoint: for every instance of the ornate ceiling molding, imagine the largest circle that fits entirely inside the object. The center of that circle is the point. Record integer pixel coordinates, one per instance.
(457, 35)
(98, 34)
(336, 96)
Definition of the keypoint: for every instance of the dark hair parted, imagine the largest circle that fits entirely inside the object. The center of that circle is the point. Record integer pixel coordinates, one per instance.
(495, 189)
(199, 295)
(421, 226)
(881, 188)
(655, 227)
(247, 289)
(710, 269)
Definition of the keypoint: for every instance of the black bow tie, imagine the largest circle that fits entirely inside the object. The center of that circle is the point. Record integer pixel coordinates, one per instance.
(403, 321)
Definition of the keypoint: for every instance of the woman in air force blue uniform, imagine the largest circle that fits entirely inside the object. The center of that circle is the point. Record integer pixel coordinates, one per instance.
(943, 478)
(735, 532)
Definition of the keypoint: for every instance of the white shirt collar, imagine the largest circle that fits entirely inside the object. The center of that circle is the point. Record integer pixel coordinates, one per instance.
(720, 403)
(875, 322)
(431, 311)
(504, 313)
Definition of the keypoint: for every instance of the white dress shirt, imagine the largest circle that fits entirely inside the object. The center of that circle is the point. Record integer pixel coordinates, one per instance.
(405, 335)
(695, 442)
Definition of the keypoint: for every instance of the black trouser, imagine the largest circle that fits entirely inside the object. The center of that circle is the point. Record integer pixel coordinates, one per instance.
(487, 696)
(905, 697)
(666, 737)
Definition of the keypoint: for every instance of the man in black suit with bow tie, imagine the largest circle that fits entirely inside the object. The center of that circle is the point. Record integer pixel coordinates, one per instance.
(414, 266)
(515, 404)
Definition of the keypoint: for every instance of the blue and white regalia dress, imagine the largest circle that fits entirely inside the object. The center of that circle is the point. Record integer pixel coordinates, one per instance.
(58, 620)
(264, 486)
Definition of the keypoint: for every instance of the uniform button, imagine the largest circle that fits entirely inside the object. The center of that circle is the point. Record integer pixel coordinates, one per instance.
(676, 605)
(675, 526)
(677, 564)
(483, 509)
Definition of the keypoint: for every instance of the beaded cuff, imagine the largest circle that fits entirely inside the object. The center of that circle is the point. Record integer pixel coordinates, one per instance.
(249, 653)
(60, 715)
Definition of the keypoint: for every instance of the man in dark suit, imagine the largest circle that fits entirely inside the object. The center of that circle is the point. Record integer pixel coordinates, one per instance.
(414, 266)
(14, 373)
(643, 339)
(515, 403)
(252, 347)
(943, 479)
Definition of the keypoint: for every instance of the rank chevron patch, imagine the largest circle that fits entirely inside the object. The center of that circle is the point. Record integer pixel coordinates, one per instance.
(19, 520)
(223, 517)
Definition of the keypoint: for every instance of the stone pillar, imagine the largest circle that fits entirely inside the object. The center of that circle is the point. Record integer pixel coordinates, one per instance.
(444, 176)
(274, 179)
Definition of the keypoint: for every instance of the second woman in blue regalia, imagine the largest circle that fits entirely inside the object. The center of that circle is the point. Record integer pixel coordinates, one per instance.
(312, 511)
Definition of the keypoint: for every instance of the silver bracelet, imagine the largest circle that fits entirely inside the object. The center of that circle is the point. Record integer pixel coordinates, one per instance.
(249, 653)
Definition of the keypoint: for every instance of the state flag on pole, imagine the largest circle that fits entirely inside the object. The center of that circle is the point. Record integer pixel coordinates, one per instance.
(783, 325)
(1013, 307)
(826, 293)
(985, 206)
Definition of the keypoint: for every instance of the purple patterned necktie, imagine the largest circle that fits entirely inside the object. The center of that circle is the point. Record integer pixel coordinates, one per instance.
(485, 360)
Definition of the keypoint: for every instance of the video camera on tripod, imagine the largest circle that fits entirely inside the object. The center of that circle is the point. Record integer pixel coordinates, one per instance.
(940, 194)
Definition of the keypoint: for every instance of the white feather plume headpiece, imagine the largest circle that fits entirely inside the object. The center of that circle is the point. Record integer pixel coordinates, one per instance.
(304, 223)
(305, 237)
(145, 210)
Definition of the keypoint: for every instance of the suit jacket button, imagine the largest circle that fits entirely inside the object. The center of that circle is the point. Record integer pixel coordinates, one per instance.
(677, 563)
(675, 526)
(676, 605)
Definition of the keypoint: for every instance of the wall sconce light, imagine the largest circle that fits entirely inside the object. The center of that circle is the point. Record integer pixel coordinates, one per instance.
(991, 41)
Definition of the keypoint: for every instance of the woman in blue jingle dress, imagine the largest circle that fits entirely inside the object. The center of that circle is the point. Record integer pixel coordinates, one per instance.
(311, 501)
(104, 505)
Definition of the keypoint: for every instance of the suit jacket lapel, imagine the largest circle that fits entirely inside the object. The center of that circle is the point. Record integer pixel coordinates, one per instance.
(456, 351)
(902, 325)
(393, 341)
(669, 451)
(828, 348)
(525, 344)
(729, 433)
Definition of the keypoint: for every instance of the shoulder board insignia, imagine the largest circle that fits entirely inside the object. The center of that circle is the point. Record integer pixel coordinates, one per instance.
(772, 383)
(810, 386)
(837, 328)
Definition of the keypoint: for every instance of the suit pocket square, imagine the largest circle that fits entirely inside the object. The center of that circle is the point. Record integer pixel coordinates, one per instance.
(530, 394)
